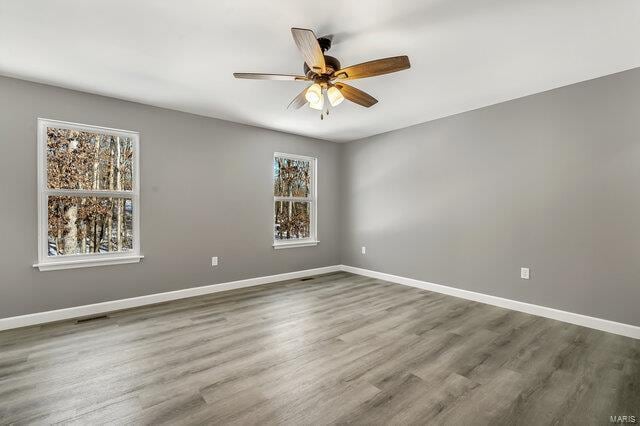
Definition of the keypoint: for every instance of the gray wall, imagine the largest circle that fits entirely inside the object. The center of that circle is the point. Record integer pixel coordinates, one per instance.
(550, 181)
(206, 190)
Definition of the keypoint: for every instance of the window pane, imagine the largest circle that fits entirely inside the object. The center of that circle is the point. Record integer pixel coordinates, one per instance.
(292, 220)
(82, 225)
(88, 160)
(292, 178)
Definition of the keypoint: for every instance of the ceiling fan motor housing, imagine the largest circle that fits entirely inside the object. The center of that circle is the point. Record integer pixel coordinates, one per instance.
(331, 63)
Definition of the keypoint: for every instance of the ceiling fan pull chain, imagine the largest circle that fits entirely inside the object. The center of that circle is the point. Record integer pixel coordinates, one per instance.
(321, 116)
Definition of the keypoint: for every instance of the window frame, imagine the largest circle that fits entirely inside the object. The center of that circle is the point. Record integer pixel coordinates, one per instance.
(312, 240)
(48, 263)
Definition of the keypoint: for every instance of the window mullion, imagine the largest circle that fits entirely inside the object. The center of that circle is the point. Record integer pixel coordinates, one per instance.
(89, 193)
(294, 199)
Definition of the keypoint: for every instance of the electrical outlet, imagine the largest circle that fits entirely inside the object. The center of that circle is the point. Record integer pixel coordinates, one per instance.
(524, 273)
(214, 261)
(364, 250)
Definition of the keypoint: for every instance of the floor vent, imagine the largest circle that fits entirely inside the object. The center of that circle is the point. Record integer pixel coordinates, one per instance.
(307, 279)
(87, 319)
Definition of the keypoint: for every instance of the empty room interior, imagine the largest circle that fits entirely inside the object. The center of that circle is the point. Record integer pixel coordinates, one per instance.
(306, 213)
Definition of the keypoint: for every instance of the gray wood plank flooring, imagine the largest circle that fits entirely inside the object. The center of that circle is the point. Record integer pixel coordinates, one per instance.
(336, 349)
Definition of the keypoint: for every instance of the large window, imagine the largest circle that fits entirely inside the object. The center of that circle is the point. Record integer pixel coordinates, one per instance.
(88, 196)
(294, 201)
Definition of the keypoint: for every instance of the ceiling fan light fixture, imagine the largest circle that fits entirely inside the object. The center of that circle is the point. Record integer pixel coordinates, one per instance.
(314, 94)
(335, 96)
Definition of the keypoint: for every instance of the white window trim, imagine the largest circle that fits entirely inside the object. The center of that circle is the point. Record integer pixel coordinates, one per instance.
(49, 263)
(313, 200)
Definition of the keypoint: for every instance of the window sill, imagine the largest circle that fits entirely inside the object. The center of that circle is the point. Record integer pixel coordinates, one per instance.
(87, 263)
(307, 243)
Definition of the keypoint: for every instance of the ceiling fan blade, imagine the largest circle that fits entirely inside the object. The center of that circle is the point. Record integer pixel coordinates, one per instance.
(356, 95)
(373, 68)
(299, 100)
(307, 43)
(282, 77)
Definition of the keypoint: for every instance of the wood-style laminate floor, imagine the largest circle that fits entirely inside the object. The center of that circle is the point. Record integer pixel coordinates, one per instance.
(336, 349)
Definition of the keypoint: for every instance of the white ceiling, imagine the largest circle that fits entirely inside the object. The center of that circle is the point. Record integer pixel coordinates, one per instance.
(465, 54)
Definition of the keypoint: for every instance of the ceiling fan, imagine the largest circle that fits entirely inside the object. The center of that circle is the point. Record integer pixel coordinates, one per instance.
(327, 76)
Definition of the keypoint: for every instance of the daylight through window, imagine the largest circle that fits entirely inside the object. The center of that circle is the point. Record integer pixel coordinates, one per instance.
(88, 195)
(294, 190)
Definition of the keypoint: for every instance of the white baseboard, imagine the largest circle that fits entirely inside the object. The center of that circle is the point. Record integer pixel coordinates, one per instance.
(116, 305)
(556, 314)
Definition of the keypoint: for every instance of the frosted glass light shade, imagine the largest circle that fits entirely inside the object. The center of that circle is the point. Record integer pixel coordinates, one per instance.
(314, 93)
(334, 95)
(319, 104)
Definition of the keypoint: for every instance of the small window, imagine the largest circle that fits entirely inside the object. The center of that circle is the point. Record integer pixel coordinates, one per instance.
(294, 201)
(88, 196)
